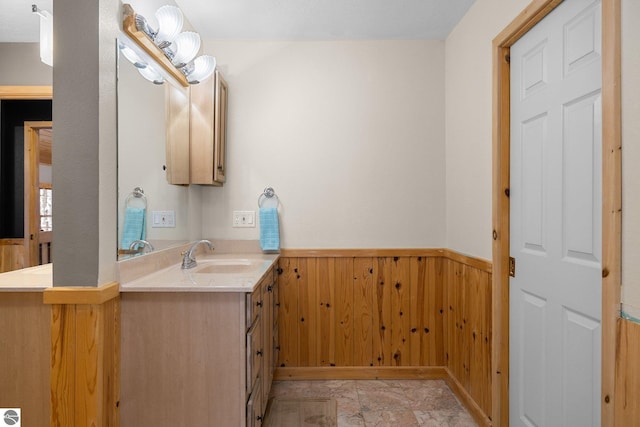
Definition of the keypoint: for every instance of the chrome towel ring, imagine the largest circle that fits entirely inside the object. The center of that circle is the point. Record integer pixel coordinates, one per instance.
(268, 194)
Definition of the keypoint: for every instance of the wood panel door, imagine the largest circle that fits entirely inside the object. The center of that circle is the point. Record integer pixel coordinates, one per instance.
(556, 217)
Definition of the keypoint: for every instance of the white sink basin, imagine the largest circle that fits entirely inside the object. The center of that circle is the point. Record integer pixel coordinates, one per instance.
(227, 266)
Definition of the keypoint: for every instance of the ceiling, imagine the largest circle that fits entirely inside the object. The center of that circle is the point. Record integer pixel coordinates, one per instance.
(282, 19)
(324, 19)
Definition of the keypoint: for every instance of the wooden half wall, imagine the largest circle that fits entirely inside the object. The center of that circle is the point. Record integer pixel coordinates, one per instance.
(85, 355)
(388, 308)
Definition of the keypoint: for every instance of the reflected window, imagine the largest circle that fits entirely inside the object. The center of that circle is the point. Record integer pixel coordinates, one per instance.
(46, 219)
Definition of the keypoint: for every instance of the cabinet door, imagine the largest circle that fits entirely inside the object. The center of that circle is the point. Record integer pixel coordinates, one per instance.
(209, 131)
(177, 134)
(267, 338)
(254, 407)
(202, 132)
(220, 125)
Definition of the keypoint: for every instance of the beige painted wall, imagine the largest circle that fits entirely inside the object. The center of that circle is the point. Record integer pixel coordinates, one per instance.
(631, 157)
(21, 65)
(468, 124)
(350, 134)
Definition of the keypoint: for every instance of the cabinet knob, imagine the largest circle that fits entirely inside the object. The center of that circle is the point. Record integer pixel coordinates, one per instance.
(259, 303)
(270, 288)
(259, 418)
(259, 353)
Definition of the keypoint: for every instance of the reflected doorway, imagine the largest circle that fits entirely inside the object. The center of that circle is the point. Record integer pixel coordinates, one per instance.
(22, 244)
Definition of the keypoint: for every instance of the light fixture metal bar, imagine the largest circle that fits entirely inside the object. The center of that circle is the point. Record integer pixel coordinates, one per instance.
(141, 39)
(35, 9)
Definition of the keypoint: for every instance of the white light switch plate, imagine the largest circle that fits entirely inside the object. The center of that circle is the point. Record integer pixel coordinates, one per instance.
(244, 219)
(163, 219)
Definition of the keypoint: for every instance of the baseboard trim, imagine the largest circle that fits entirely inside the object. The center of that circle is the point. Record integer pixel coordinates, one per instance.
(465, 398)
(361, 373)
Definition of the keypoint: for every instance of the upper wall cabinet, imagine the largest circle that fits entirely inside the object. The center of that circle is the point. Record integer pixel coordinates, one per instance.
(177, 127)
(208, 125)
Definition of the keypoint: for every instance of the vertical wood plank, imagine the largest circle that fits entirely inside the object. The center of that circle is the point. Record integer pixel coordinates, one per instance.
(448, 313)
(89, 338)
(111, 373)
(306, 312)
(438, 312)
(401, 311)
(475, 304)
(288, 321)
(466, 327)
(488, 342)
(627, 405)
(417, 300)
(363, 281)
(432, 344)
(344, 311)
(327, 312)
(382, 314)
(63, 360)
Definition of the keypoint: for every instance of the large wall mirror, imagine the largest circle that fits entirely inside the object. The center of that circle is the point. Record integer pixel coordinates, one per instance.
(141, 161)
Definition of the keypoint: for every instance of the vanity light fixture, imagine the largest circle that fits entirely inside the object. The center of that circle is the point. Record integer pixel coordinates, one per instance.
(172, 50)
(46, 34)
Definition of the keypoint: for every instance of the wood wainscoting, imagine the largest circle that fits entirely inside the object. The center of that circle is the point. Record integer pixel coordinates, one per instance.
(627, 404)
(25, 355)
(85, 355)
(361, 313)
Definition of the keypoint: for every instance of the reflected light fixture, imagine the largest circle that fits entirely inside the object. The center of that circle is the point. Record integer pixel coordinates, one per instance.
(172, 49)
(46, 34)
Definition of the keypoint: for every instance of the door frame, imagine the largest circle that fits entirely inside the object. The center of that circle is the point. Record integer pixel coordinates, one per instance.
(611, 200)
(32, 190)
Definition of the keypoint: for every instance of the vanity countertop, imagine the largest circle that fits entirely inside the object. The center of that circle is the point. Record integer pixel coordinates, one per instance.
(31, 279)
(233, 272)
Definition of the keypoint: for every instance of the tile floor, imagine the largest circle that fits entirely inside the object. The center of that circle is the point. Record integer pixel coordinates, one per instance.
(379, 403)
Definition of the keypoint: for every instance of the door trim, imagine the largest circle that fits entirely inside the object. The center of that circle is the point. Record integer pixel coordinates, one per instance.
(32, 190)
(611, 200)
(26, 92)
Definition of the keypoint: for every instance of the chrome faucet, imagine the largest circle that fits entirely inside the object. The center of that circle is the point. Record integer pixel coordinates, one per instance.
(144, 244)
(189, 259)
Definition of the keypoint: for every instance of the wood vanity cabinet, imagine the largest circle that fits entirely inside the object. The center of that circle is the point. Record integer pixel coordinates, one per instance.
(262, 359)
(197, 358)
(209, 131)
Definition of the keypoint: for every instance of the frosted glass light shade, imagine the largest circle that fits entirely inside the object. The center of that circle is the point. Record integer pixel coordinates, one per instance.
(46, 37)
(132, 56)
(203, 67)
(185, 47)
(151, 74)
(170, 22)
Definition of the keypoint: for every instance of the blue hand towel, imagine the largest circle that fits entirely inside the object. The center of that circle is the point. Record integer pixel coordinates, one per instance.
(133, 227)
(269, 229)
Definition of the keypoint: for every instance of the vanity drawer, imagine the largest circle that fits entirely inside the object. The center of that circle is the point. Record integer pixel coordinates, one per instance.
(254, 353)
(253, 306)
